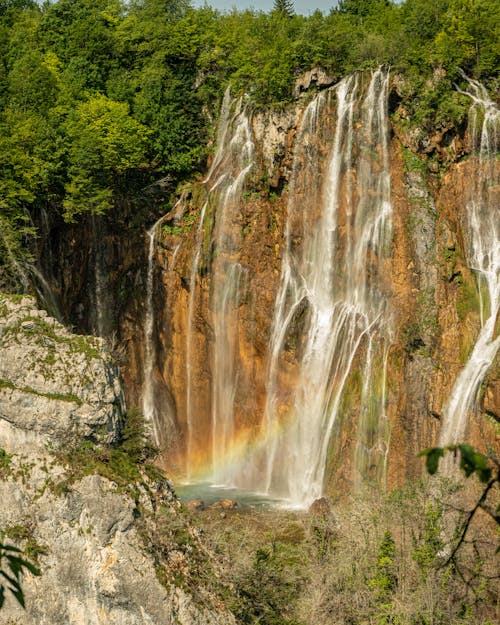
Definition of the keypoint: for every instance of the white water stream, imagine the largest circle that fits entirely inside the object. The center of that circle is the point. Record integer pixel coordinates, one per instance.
(232, 163)
(482, 226)
(148, 399)
(332, 284)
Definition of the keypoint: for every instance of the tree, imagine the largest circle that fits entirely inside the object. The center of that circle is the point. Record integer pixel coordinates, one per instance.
(285, 7)
(486, 469)
(106, 142)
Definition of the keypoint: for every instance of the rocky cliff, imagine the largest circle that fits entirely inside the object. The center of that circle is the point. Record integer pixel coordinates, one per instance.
(247, 235)
(107, 533)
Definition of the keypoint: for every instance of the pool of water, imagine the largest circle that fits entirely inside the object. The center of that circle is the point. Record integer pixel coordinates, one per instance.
(210, 493)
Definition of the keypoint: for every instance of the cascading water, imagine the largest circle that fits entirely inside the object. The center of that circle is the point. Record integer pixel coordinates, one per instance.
(100, 295)
(148, 398)
(45, 293)
(482, 226)
(232, 163)
(329, 286)
(190, 420)
(226, 275)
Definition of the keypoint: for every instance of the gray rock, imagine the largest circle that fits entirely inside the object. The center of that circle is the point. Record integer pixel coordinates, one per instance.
(316, 77)
(95, 540)
(95, 569)
(54, 385)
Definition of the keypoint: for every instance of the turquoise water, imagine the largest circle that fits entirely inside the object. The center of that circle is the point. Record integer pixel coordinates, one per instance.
(210, 493)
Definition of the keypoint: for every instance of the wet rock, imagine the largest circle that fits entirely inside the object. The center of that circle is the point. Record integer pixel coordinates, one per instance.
(320, 507)
(491, 402)
(224, 504)
(195, 505)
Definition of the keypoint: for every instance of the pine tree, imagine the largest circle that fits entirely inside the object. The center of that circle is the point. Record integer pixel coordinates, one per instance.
(285, 7)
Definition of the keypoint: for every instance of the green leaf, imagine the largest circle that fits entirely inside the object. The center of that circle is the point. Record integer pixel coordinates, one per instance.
(433, 455)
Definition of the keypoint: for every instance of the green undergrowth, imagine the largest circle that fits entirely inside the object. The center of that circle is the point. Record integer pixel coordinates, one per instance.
(23, 535)
(374, 560)
(33, 327)
(69, 397)
(5, 460)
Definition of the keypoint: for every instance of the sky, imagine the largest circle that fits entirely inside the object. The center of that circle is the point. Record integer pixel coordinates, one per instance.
(304, 7)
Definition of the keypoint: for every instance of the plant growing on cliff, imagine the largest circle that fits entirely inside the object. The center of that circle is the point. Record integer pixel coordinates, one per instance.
(12, 567)
(471, 462)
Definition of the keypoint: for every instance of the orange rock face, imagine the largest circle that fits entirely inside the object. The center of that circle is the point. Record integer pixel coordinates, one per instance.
(430, 290)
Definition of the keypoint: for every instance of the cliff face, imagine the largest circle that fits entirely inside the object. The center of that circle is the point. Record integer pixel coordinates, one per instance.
(54, 385)
(419, 283)
(313, 300)
(102, 543)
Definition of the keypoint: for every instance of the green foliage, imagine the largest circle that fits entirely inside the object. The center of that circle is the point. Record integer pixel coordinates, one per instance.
(99, 98)
(12, 567)
(385, 579)
(267, 590)
(5, 459)
(121, 463)
(430, 543)
(284, 7)
(106, 142)
(471, 461)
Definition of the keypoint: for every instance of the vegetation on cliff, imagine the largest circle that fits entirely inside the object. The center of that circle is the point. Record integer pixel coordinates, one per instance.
(100, 99)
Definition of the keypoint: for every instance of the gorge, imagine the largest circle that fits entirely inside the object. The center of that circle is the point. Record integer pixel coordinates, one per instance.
(249, 298)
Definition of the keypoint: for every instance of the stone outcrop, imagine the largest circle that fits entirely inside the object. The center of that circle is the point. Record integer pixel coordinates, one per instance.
(90, 540)
(54, 385)
(111, 550)
(316, 77)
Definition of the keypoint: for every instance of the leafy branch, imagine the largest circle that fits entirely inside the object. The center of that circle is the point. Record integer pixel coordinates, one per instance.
(487, 470)
(10, 576)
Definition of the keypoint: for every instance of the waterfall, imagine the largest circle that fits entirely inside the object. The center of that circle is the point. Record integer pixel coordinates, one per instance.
(102, 305)
(329, 289)
(482, 224)
(235, 157)
(148, 398)
(231, 165)
(45, 293)
(190, 418)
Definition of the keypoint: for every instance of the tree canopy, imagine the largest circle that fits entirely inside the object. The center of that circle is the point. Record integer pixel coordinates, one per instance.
(98, 96)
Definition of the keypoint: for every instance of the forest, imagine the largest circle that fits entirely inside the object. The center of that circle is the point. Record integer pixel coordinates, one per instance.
(101, 98)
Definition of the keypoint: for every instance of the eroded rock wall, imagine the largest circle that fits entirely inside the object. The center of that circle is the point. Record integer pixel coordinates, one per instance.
(432, 293)
(108, 548)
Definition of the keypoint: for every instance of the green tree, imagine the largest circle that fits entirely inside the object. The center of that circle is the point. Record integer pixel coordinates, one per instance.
(105, 143)
(284, 7)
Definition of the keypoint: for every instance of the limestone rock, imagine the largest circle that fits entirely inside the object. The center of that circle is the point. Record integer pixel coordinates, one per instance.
(224, 504)
(53, 384)
(316, 77)
(95, 569)
(320, 507)
(195, 505)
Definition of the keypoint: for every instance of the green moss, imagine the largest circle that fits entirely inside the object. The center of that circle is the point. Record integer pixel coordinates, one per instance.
(35, 326)
(69, 397)
(178, 228)
(465, 347)
(121, 463)
(467, 299)
(24, 534)
(5, 460)
(414, 164)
